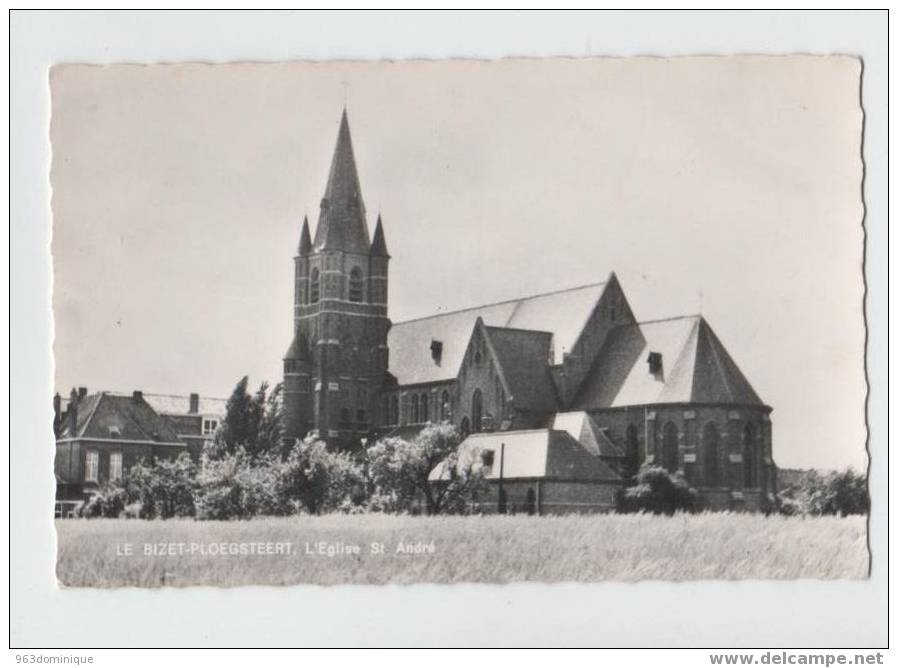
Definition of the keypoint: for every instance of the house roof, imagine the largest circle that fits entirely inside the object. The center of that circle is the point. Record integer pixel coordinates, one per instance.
(537, 453)
(582, 427)
(341, 223)
(179, 404)
(106, 415)
(523, 356)
(563, 314)
(695, 367)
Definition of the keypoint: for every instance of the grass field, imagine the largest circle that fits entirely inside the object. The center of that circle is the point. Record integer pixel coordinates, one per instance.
(95, 553)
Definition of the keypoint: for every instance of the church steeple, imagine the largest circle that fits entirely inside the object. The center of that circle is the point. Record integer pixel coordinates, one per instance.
(305, 239)
(338, 360)
(379, 245)
(341, 223)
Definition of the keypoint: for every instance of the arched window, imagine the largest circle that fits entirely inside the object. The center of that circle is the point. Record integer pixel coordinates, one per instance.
(749, 457)
(632, 464)
(316, 286)
(477, 411)
(425, 408)
(414, 409)
(670, 455)
(465, 427)
(356, 285)
(394, 410)
(445, 407)
(711, 455)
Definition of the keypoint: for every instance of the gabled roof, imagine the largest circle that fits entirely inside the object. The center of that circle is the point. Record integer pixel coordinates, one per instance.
(563, 313)
(537, 453)
(695, 367)
(523, 356)
(582, 427)
(179, 404)
(112, 416)
(341, 223)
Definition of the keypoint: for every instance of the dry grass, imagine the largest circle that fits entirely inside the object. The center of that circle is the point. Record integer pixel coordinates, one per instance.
(469, 549)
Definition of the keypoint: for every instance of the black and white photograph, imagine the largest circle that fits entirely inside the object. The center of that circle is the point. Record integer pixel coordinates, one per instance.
(452, 321)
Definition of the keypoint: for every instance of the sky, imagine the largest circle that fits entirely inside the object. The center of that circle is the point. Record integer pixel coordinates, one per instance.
(729, 186)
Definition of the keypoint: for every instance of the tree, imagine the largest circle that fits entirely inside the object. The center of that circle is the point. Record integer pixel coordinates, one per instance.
(837, 493)
(251, 423)
(320, 480)
(400, 472)
(658, 491)
(164, 489)
(236, 486)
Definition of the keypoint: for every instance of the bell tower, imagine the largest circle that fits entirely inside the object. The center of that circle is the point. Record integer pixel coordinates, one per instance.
(338, 359)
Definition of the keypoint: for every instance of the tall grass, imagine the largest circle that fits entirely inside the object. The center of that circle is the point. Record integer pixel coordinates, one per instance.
(469, 549)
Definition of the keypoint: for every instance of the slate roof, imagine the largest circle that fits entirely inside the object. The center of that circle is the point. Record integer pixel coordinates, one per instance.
(582, 427)
(537, 453)
(106, 415)
(178, 404)
(695, 367)
(523, 356)
(341, 223)
(563, 313)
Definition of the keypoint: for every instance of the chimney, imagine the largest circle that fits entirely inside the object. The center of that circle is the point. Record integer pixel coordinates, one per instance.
(137, 396)
(72, 413)
(82, 392)
(194, 403)
(57, 413)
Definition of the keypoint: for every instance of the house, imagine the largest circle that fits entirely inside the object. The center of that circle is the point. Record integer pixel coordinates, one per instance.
(578, 361)
(100, 436)
(194, 418)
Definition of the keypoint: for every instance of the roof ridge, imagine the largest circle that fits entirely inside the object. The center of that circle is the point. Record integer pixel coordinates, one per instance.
(511, 431)
(501, 303)
(116, 393)
(520, 329)
(667, 319)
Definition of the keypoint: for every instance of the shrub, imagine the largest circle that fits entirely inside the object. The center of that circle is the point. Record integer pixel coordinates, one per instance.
(319, 480)
(109, 501)
(658, 491)
(837, 493)
(234, 487)
(165, 489)
(788, 506)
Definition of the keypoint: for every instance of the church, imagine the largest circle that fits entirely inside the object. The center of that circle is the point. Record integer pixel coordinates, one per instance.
(570, 389)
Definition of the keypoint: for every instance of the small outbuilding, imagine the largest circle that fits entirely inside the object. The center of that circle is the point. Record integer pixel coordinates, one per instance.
(537, 472)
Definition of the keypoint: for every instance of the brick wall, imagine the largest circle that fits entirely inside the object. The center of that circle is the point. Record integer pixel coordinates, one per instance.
(550, 497)
(693, 425)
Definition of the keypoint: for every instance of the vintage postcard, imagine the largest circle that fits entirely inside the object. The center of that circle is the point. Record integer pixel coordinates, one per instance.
(561, 319)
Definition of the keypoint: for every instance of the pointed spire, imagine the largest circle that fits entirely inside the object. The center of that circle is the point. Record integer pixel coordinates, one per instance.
(341, 224)
(305, 238)
(379, 245)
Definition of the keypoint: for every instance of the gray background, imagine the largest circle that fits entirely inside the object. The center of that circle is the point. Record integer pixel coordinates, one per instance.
(647, 614)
